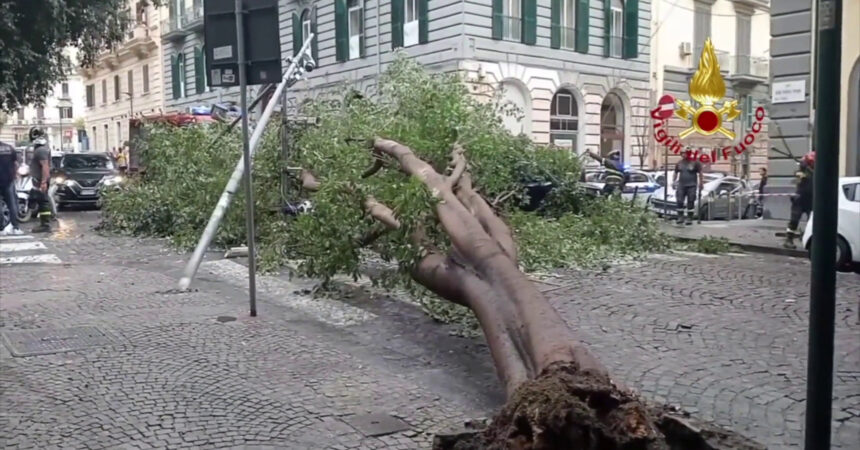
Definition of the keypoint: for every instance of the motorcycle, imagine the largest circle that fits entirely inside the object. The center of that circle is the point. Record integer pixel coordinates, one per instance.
(26, 207)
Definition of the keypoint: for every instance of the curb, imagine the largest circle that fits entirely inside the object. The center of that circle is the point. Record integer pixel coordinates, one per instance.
(752, 248)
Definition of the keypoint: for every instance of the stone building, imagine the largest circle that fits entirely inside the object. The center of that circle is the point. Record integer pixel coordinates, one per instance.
(793, 109)
(126, 81)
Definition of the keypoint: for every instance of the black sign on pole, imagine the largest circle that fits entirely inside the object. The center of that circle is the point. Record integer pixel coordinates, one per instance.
(262, 38)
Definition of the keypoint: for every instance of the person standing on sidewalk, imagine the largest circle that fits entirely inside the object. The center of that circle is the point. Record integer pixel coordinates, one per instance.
(8, 172)
(801, 201)
(761, 185)
(687, 180)
(40, 170)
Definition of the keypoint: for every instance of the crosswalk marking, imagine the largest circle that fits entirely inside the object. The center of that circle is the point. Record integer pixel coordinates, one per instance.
(31, 259)
(15, 238)
(22, 246)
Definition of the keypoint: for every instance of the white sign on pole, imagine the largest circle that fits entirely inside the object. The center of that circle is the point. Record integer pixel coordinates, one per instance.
(789, 92)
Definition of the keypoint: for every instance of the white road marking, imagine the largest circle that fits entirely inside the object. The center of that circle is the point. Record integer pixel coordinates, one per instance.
(288, 293)
(700, 255)
(22, 246)
(31, 259)
(14, 238)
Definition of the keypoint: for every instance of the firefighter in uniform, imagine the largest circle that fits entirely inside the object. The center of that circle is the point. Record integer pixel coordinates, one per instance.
(40, 170)
(801, 201)
(615, 174)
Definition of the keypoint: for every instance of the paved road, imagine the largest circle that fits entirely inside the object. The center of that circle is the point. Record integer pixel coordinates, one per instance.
(721, 336)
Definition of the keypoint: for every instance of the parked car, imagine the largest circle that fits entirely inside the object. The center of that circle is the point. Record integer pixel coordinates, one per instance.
(723, 197)
(848, 224)
(82, 177)
(640, 185)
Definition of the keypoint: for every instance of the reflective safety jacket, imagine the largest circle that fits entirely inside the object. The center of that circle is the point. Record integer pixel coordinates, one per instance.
(614, 172)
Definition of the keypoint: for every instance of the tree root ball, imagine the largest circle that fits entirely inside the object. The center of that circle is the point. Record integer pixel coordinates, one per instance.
(568, 409)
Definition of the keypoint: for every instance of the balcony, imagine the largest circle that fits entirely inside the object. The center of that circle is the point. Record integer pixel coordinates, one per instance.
(173, 28)
(140, 42)
(724, 59)
(750, 68)
(194, 18)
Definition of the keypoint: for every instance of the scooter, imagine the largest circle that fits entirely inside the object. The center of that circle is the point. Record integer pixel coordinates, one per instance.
(26, 207)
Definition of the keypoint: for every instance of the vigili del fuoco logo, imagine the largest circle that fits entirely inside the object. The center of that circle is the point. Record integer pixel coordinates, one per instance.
(707, 88)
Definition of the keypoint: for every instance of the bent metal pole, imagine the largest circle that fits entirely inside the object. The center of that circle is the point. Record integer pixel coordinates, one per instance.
(233, 184)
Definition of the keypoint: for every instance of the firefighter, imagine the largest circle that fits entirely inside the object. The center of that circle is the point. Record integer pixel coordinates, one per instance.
(40, 170)
(615, 173)
(801, 201)
(688, 181)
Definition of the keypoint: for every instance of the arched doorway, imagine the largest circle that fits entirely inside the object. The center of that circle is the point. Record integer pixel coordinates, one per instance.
(611, 125)
(564, 120)
(517, 108)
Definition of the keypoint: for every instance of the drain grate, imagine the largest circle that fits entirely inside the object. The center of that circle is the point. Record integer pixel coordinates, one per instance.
(50, 341)
(375, 424)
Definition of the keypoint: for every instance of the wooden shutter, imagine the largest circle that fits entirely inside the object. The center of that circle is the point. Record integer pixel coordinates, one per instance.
(297, 33)
(341, 31)
(199, 79)
(363, 37)
(582, 16)
(397, 13)
(631, 29)
(529, 21)
(315, 43)
(423, 21)
(607, 27)
(555, 24)
(174, 75)
(498, 20)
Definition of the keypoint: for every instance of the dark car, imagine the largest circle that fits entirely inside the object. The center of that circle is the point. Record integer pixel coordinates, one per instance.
(82, 176)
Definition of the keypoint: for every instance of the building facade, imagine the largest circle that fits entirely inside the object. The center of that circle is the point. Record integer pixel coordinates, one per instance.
(125, 83)
(61, 116)
(577, 69)
(793, 78)
(739, 31)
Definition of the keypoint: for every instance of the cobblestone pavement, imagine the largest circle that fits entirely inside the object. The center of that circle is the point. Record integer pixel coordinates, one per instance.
(724, 337)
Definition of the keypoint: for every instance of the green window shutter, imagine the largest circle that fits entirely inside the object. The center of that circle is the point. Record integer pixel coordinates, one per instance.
(582, 13)
(631, 29)
(423, 21)
(315, 43)
(397, 12)
(607, 27)
(174, 75)
(497, 19)
(529, 22)
(555, 20)
(297, 33)
(361, 38)
(199, 79)
(341, 31)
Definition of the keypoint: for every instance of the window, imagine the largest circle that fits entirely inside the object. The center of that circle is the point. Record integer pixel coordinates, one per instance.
(200, 82)
(852, 192)
(178, 75)
(564, 119)
(742, 44)
(64, 88)
(145, 74)
(616, 35)
(131, 83)
(65, 112)
(107, 144)
(701, 28)
(91, 95)
(40, 112)
(567, 15)
(306, 26)
(20, 113)
(749, 111)
(410, 23)
(356, 28)
(93, 138)
(104, 92)
(512, 20)
(116, 88)
(140, 9)
(119, 135)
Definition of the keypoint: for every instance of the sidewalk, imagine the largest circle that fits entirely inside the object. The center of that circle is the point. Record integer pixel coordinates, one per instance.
(756, 235)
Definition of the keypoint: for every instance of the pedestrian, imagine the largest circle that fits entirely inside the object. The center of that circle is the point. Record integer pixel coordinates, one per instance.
(687, 181)
(40, 170)
(761, 185)
(8, 173)
(122, 158)
(615, 173)
(801, 201)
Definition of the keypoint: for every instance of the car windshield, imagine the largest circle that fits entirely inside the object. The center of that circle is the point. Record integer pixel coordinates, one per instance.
(87, 162)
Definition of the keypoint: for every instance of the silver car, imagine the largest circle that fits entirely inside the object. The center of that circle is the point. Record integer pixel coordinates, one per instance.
(723, 197)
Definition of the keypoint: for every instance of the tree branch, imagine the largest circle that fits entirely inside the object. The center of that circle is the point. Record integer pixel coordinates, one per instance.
(376, 167)
(492, 224)
(381, 213)
(458, 162)
(309, 181)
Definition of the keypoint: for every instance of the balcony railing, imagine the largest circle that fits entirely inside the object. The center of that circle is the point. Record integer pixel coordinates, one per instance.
(172, 27)
(723, 58)
(755, 66)
(194, 17)
(512, 28)
(567, 37)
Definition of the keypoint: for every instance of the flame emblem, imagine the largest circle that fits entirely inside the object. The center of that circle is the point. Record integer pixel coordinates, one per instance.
(707, 87)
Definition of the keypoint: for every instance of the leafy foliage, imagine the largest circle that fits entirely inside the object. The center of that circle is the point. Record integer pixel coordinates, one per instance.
(35, 35)
(710, 245)
(426, 112)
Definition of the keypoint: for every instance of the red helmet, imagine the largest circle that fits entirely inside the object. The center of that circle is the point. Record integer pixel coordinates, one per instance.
(809, 159)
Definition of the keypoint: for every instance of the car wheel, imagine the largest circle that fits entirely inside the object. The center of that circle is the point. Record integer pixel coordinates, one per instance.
(843, 252)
